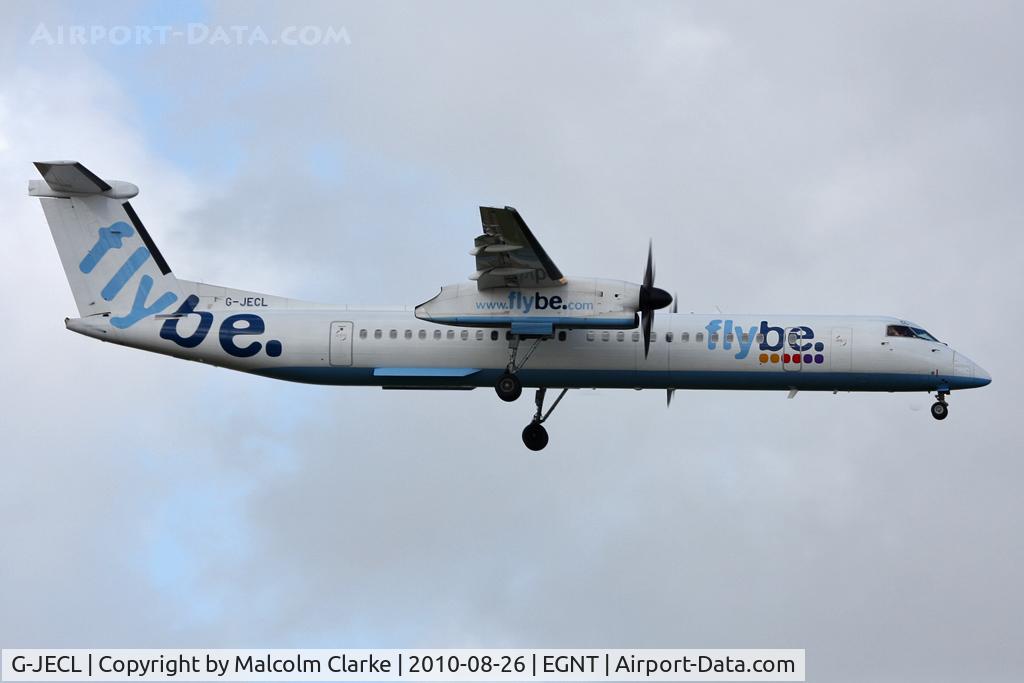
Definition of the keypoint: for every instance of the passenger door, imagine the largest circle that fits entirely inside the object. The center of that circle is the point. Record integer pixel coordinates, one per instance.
(841, 351)
(791, 361)
(341, 343)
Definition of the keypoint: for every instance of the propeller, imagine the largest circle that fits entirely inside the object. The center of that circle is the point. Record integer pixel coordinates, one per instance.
(651, 299)
(675, 309)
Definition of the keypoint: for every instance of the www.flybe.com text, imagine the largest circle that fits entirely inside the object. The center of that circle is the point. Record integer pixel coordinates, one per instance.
(524, 303)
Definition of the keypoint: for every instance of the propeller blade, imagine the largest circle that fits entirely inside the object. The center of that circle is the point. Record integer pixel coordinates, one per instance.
(671, 393)
(647, 320)
(649, 273)
(675, 302)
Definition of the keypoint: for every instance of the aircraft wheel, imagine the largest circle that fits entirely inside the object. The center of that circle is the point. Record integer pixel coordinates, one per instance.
(940, 410)
(508, 388)
(535, 436)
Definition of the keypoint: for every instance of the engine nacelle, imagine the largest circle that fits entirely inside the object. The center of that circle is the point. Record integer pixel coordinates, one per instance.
(580, 303)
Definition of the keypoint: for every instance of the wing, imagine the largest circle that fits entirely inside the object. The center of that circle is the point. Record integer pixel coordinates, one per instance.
(508, 255)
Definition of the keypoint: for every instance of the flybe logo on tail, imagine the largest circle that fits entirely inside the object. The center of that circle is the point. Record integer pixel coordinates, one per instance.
(795, 345)
(112, 237)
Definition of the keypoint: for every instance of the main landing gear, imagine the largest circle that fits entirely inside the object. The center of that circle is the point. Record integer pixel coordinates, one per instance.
(535, 437)
(508, 387)
(940, 411)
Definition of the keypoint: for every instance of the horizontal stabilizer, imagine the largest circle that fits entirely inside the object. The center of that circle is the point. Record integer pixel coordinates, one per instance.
(67, 178)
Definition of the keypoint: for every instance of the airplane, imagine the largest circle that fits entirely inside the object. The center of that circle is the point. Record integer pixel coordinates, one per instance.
(517, 322)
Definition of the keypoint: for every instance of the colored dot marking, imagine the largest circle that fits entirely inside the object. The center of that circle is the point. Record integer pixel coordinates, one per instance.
(819, 346)
(763, 358)
(785, 358)
(796, 357)
(819, 359)
(775, 358)
(273, 348)
(808, 358)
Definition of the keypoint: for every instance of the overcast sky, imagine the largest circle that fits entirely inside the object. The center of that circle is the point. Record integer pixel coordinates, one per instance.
(785, 157)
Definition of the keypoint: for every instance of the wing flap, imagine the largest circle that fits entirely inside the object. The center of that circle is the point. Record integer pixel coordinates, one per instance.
(508, 255)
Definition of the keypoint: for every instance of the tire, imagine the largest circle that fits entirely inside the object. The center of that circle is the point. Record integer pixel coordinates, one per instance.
(535, 437)
(508, 388)
(940, 411)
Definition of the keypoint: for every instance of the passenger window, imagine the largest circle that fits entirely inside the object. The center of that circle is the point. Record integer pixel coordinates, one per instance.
(376, 334)
(668, 337)
(561, 336)
(760, 338)
(362, 334)
(684, 337)
(621, 336)
(729, 338)
(451, 334)
(794, 339)
(393, 334)
(714, 337)
(508, 336)
(636, 336)
(464, 335)
(699, 338)
(437, 334)
(408, 334)
(605, 336)
(745, 337)
(479, 335)
(494, 335)
(654, 337)
(423, 334)
(590, 336)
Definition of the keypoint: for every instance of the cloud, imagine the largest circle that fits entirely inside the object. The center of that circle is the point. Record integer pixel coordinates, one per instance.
(792, 158)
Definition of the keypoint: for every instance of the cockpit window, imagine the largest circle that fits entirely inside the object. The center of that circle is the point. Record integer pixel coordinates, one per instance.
(907, 331)
(899, 331)
(923, 334)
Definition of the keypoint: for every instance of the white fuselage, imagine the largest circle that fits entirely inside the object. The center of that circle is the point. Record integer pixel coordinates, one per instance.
(344, 346)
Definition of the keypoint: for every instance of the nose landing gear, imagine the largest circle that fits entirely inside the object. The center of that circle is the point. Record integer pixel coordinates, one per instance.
(940, 411)
(535, 437)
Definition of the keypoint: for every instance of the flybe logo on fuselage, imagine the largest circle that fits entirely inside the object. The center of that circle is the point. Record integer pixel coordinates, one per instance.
(232, 329)
(527, 303)
(793, 345)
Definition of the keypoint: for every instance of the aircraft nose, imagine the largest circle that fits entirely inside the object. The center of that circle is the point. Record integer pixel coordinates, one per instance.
(982, 375)
(968, 373)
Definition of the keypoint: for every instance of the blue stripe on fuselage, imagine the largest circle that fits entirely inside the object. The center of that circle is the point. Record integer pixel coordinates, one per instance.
(626, 379)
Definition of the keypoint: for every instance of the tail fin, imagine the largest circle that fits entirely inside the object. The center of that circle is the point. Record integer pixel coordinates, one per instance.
(111, 262)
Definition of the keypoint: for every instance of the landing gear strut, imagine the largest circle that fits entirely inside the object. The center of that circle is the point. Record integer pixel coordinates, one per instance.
(508, 387)
(939, 409)
(535, 437)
